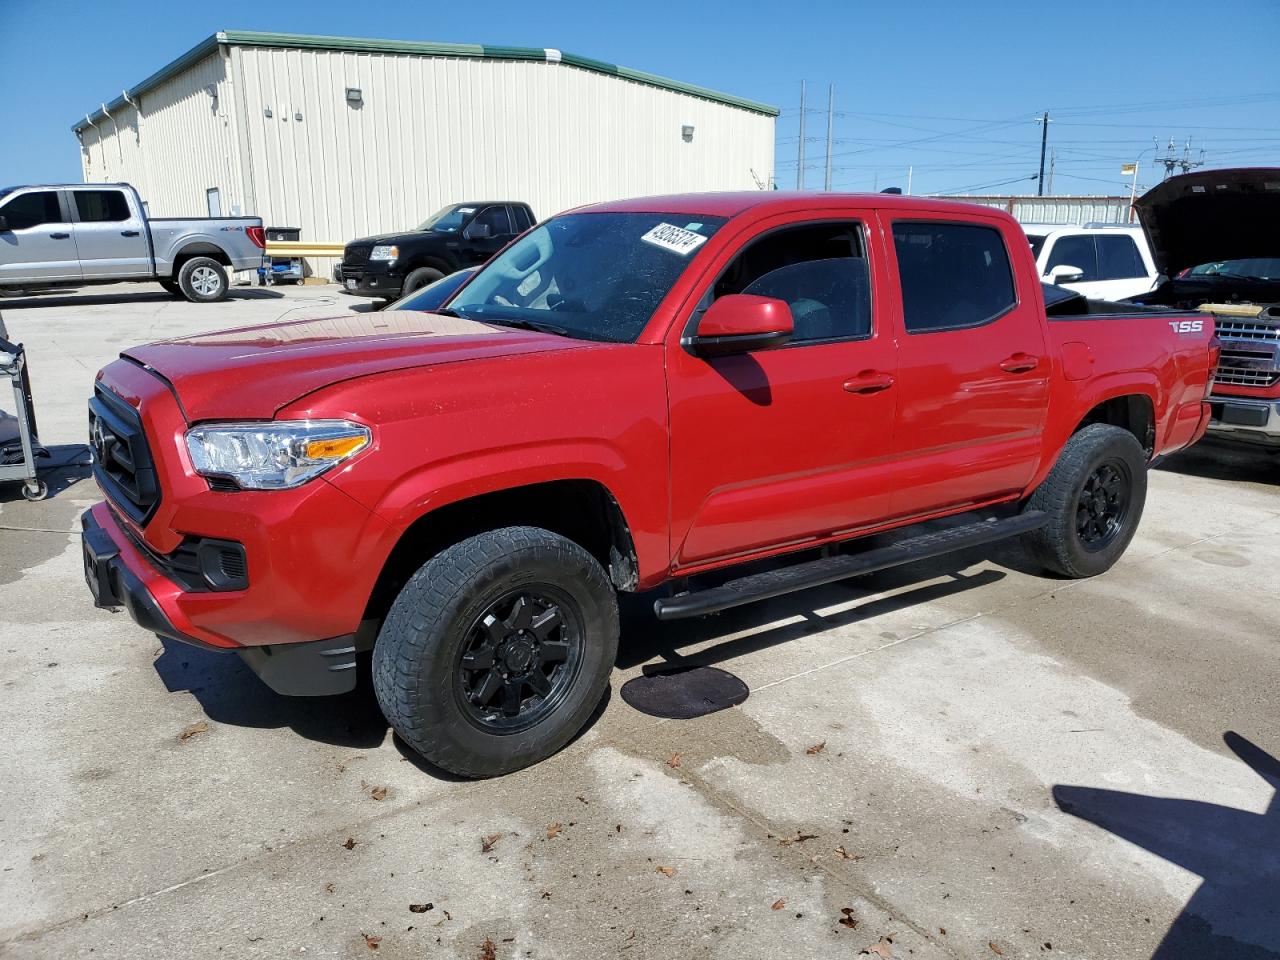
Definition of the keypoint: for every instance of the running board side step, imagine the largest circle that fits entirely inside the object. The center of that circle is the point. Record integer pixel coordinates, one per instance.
(816, 573)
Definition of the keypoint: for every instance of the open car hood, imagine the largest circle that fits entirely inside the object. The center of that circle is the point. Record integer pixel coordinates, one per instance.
(1212, 215)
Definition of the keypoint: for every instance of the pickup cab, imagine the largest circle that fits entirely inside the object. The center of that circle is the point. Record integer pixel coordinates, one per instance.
(647, 395)
(1104, 262)
(74, 235)
(457, 237)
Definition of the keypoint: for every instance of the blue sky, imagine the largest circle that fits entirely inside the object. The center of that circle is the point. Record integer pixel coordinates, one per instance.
(950, 89)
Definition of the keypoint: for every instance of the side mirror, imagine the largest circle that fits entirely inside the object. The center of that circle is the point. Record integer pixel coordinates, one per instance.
(1063, 273)
(477, 231)
(741, 322)
(4, 223)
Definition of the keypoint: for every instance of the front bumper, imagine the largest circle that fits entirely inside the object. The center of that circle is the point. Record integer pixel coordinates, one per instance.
(114, 571)
(1245, 419)
(372, 279)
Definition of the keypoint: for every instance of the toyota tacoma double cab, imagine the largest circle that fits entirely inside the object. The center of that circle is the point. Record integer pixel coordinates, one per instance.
(460, 236)
(646, 395)
(78, 234)
(1215, 235)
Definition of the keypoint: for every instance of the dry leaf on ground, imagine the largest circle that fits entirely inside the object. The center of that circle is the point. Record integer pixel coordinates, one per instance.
(371, 941)
(420, 907)
(199, 726)
(778, 904)
(350, 844)
(798, 838)
(848, 920)
(844, 854)
(378, 793)
(816, 748)
(553, 831)
(996, 950)
(487, 950)
(668, 871)
(882, 949)
(486, 843)
(674, 761)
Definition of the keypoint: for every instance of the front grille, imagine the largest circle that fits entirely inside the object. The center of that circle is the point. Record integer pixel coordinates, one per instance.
(356, 255)
(1250, 351)
(351, 273)
(121, 458)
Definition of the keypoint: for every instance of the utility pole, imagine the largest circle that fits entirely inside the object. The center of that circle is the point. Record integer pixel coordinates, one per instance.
(800, 158)
(831, 107)
(1053, 159)
(1044, 142)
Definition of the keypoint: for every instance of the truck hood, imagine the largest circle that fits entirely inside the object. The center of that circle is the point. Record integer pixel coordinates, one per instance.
(405, 236)
(251, 372)
(1212, 215)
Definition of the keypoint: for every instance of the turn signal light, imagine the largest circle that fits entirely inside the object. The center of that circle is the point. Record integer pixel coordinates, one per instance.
(334, 448)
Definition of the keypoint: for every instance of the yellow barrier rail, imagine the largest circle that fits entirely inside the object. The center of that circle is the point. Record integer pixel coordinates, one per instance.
(302, 248)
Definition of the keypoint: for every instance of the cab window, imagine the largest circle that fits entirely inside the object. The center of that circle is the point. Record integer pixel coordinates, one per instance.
(820, 270)
(33, 209)
(101, 206)
(953, 275)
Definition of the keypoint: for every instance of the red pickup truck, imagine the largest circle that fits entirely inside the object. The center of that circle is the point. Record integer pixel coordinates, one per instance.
(631, 396)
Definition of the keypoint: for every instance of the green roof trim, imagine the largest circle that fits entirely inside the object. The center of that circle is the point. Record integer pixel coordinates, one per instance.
(247, 38)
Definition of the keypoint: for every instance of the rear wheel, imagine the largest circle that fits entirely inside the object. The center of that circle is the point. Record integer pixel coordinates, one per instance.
(203, 280)
(1094, 498)
(497, 650)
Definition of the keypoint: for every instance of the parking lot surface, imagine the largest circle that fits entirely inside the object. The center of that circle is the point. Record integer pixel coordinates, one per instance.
(958, 758)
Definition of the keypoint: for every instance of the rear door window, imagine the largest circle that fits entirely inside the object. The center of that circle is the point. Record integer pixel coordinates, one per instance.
(32, 210)
(520, 216)
(1078, 252)
(100, 206)
(953, 275)
(1118, 258)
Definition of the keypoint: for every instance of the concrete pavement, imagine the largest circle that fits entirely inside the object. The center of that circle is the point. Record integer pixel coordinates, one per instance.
(968, 758)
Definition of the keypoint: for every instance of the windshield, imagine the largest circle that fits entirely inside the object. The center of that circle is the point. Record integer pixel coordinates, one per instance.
(596, 276)
(1260, 268)
(433, 295)
(448, 219)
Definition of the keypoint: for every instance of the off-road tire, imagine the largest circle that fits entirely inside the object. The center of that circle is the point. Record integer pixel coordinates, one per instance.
(1059, 545)
(419, 278)
(203, 280)
(173, 288)
(417, 657)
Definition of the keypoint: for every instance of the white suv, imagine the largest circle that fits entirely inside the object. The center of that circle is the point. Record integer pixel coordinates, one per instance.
(1102, 263)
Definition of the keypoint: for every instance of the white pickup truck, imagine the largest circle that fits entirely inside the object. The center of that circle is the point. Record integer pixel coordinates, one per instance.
(72, 235)
(1097, 262)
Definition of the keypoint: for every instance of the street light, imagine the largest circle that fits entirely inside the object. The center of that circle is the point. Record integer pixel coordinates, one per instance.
(1133, 190)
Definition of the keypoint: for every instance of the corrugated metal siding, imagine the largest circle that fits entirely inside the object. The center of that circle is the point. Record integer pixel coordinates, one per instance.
(1065, 210)
(432, 131)
(183, 144)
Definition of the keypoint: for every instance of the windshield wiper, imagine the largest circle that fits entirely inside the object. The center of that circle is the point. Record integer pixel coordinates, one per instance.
(539, 326)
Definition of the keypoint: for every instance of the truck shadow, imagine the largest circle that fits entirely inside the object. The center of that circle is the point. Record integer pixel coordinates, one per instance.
(1224, 460)
(61, 298)
(1237, 853)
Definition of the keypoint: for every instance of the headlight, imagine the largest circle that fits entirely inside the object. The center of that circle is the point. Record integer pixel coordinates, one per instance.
(384, 252)
(274, 455)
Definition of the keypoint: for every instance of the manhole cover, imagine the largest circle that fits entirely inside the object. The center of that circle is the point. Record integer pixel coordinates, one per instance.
(684, 694)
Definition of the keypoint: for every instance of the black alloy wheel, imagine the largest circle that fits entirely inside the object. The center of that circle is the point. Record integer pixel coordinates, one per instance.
(520, 658)
(1103, 505)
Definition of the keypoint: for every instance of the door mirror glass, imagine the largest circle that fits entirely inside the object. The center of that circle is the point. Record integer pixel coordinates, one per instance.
(741, 322)
(1065, 273)
(477, 231)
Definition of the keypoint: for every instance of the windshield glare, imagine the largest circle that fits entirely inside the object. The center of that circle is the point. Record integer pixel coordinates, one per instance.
(1264, 268)
(598, 276)
(447, 220)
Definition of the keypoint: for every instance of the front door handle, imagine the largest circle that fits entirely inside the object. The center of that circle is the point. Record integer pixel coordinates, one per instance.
(59, 236)
(1020, 363)
(869, 381)
(129, 233)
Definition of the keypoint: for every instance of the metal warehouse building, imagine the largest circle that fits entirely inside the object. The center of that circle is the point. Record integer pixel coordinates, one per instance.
(346, 137)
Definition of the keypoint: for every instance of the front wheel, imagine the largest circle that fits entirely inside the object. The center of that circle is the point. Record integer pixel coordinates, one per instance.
(203, 280)
(497, 650)
(1093, 497)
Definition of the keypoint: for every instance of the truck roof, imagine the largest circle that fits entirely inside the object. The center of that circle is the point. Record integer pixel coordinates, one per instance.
(730, 204)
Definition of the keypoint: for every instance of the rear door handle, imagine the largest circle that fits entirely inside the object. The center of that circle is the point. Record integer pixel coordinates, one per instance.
(1020, 363)
(869, 381)
(129, 233)
(60, 236)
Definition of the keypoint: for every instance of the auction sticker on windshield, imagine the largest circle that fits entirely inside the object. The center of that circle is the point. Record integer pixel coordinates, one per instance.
(673, 238)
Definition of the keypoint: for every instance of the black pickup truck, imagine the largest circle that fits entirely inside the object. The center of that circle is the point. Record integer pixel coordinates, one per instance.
(459, 236)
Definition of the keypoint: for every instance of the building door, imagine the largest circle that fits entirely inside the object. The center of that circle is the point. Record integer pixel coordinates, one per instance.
(213, 198)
